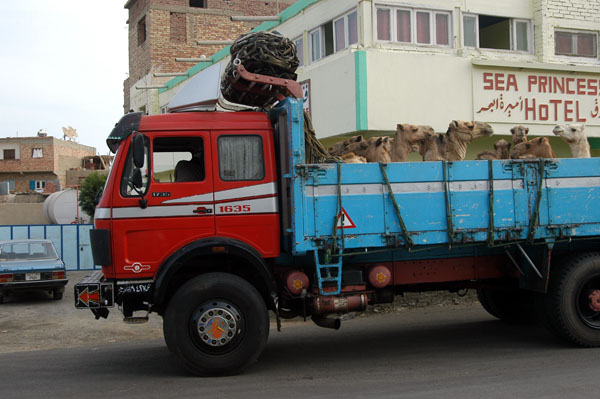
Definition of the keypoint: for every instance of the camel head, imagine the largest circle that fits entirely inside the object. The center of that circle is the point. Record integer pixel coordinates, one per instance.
(519, 134)
(536, 148)
(467, 131)
(502, 148)
(408, 135)
(570, 133)
(338, 148)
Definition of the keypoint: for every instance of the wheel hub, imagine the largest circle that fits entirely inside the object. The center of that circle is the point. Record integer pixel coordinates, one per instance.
(595, 300)
(218, 324)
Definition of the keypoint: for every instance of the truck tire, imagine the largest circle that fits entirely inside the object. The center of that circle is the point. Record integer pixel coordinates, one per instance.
(513, 306)
(216, 324)
(571, 307)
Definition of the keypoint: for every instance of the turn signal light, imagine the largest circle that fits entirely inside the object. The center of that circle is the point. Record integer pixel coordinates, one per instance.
(58, 275)
(6, 278)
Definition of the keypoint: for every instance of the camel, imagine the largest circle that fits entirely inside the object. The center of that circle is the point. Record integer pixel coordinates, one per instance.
(434, 147)
(351, 157)
(375, 149)
(452, 146)
(575, 137)
(519, 134)
(536, 148)
(337, 149)
(408, 139)
(502, 151)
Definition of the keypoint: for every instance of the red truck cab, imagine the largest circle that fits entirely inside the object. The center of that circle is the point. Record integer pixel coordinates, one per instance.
(197, 184)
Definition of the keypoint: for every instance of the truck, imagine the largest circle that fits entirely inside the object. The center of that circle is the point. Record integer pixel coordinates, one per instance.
(212, 219)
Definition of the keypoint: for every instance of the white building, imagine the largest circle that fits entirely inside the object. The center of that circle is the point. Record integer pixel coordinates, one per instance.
(371, 64)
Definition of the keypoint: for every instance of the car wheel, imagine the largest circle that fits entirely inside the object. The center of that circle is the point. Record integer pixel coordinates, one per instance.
(217, 324)
(57, 294)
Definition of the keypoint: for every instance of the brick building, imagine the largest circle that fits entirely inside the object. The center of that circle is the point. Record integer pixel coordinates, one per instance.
(161, 30)
(39, 163)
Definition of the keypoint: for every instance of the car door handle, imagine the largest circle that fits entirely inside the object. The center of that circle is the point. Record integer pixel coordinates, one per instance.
(202, 210)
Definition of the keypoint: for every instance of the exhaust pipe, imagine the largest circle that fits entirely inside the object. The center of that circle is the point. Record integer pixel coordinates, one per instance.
(326, 322)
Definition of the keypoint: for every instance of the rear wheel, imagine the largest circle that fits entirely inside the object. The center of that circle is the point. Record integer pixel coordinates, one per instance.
(513, 306)
(217, 324)
(571, 308)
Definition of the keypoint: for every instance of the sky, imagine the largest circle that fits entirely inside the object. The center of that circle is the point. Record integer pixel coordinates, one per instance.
(62, 63)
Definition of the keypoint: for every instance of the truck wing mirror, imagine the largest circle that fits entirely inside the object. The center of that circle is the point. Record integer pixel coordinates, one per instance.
(138, 150)
(136, 179)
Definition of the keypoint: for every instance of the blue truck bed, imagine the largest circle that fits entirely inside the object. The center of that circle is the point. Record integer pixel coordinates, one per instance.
(436, 202)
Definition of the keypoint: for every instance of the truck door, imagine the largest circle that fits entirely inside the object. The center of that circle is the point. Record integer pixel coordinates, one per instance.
(178, 188)
(246, 204)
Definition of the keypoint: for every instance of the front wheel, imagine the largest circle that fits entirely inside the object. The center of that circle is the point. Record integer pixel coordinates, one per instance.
(217, 324)
(571, 308)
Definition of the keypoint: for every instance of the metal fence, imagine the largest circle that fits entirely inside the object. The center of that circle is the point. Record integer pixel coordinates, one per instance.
(72, 241)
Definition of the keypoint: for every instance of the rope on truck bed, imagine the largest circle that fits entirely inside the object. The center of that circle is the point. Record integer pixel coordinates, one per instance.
(491, 210)
(407, 238)
(533, 223)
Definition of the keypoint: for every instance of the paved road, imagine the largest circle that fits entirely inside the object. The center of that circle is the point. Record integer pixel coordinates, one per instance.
(426, 353)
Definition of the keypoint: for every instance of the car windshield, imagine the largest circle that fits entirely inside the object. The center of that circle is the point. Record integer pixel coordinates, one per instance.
(34, 250)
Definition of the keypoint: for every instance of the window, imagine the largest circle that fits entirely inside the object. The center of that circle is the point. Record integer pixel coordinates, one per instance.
(198, 3)
(315, 45)
(11, 184)
(493, 32)
(178, 159)
(403, 26)
(299, 42)
(37, 153)
(177, 30)
(241, 158)
(37, 185)
(406, 25)
(141, 30)
(383, 24)
(576, 44)
(9, 154)
(345, 30)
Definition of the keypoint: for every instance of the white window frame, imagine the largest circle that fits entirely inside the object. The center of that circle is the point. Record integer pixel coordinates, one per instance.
(513, 36)
(476, 29)
(295, 41)
(448, 14)
(392, 22)
(413, 26)
(574, 32)
(413, 17)
(344, 17)
(512, 33)
(40, 185)
(321, 44)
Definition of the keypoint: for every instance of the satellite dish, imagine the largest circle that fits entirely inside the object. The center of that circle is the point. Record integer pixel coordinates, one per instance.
(69, 133)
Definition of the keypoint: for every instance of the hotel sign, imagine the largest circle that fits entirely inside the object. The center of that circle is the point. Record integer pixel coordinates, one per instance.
(523, 97)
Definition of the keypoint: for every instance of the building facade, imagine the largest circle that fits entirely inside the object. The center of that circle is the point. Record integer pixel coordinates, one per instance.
(39, 163)
(368, 65)
(162, 30)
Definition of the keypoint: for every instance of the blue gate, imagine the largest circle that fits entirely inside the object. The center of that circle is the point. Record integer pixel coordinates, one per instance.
(72, 241)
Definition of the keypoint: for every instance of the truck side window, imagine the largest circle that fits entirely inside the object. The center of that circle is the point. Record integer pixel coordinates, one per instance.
(127, 189)
(241, 158)
(178, 159)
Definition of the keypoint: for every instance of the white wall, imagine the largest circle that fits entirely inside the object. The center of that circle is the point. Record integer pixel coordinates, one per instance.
(417, 88)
